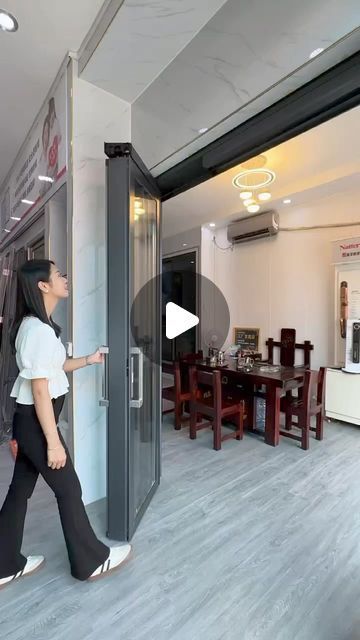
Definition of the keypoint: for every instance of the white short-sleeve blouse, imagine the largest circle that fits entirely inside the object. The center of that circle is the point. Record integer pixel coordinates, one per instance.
(39, 354)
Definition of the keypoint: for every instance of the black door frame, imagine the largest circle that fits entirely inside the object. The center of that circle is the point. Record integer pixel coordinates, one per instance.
(323, 98)
(122, 163)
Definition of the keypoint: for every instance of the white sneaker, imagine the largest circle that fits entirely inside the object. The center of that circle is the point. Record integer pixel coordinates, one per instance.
(118, 556)
(33, 564)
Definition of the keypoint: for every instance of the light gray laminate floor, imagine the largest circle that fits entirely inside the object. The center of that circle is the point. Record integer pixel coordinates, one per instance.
(248, 543)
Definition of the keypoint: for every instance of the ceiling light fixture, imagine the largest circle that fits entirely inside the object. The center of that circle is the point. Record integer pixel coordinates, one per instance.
(8, 22)
(184, 244)
(287, 201)
(25, 201)
(203, 130)
(46, 179)
(253, 179)
(6, 230)
(245, 195)
(14, 218)
(212, 224)
(253, 208)
(316, 52)
(248, 202)
(265, 195)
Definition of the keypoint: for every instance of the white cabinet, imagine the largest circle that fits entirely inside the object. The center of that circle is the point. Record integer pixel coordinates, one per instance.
(343, 396)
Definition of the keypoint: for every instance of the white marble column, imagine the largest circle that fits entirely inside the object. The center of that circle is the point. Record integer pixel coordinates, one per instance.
(98, 116)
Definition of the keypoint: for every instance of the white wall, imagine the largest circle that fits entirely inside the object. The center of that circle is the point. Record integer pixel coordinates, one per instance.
(175, 243)
(98, 116)
(286, 281)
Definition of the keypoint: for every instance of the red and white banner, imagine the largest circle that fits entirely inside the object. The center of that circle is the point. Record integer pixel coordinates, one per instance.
(40, 164)
(347, 250)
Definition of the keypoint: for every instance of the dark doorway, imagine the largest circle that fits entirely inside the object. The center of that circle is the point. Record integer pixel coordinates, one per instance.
(180, 287)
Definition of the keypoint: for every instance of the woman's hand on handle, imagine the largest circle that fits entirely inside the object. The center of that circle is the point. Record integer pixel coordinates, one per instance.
(56, 457)
(72, 364)
(96, 358)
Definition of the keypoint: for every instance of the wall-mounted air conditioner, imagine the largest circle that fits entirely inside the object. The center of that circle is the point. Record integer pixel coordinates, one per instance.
(262, 225)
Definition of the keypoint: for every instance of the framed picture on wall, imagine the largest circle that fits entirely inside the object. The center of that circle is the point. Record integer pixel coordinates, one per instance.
(247, 338)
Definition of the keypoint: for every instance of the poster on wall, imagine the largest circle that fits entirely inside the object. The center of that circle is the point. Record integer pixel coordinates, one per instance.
(247, 338)
(41, 162)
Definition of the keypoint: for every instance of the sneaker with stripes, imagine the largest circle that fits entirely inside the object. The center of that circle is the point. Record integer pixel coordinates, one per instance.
(117, 557)
(33, 564)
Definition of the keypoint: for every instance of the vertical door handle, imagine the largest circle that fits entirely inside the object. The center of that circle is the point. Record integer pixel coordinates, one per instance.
(136, 353)
(104, 402)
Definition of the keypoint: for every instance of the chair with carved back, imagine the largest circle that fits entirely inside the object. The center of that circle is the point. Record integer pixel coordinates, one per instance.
(215, 407)
(311, 403)
(288, 346)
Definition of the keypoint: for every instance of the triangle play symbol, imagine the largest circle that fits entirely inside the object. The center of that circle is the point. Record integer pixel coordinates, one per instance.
(178, 320)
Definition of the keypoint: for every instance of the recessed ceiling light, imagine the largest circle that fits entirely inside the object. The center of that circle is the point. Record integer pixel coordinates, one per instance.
(8, 22)
(287, 201)
(212, 224)
(203, 129)
(245, 195)
(248, 202)
(6, 230)
(14, 218)
(25, 201)
(184, 244)
(265, 195)
(46, 179)
(316, 52)
(253, 208)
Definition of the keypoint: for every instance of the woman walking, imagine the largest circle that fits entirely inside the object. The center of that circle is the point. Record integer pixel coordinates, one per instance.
(40, 391)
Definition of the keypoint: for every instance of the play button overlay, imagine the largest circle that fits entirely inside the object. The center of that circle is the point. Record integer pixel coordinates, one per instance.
(179, 311)
(178, 320)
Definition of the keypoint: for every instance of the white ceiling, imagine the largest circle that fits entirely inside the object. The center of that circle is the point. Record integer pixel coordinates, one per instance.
(185, 64)
(213, 64)
(317, 163)
(30, 59)
(248, 56)
(148, 35)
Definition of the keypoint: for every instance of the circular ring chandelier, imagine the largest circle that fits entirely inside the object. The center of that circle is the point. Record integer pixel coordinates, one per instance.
(253, 179)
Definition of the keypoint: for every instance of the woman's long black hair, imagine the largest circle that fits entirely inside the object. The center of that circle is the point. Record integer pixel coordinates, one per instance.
(29, 300)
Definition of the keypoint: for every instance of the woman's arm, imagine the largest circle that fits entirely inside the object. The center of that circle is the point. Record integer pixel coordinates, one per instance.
(72, 364)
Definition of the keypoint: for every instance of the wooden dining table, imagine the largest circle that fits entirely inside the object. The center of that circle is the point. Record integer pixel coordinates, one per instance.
(277, 384)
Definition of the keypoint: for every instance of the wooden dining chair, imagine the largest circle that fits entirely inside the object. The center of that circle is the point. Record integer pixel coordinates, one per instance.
(215, 407)
(311, 403)
(288, 346)
(178, 393)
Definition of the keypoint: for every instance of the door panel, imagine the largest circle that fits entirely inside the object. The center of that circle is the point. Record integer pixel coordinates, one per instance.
(133, 243)
(144, 269)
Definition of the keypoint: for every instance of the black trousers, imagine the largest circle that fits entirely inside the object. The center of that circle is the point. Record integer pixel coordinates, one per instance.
(85, 551)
